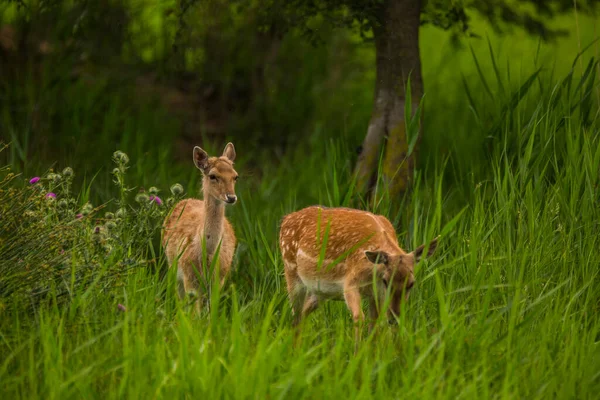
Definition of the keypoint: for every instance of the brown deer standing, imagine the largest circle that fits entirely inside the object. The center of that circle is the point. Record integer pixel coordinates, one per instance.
(194, 221)
(338, 253)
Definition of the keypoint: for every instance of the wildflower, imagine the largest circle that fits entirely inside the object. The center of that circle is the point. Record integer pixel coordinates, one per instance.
(121, 213)
(97, 236)
(176, 189)
(63, 203)
(141, 197)
(34, 180)
(79, 216)
(68, 172)
(109, 215)
(51, 195)
(110, 225)
(155, 199)
(56, 178)
(153, 190)
(86, 209)
(121, 307)
(120, 157)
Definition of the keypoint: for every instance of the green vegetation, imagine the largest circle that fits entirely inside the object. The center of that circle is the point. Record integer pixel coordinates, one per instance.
(508, 174)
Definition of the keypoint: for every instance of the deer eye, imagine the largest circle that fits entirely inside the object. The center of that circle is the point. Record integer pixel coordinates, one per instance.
(212, 177)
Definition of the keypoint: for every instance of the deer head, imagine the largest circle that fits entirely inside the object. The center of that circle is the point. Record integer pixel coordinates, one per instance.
(219, 177)
(396, 272)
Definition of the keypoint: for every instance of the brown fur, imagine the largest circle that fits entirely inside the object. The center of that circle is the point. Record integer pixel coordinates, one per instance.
(193, 221)
(355, 239)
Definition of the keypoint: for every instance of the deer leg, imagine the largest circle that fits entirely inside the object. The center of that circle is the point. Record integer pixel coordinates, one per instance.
(373, 313)
(352, 297)
(222, 276)
(310, 304)
(180, 283)
(192, 285)
(296, 291)
(297, 299)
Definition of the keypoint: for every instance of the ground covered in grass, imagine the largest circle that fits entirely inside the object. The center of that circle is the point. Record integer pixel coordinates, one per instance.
(506, 308)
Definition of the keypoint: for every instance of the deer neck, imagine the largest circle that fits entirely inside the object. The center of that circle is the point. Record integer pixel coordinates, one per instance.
(214, 216)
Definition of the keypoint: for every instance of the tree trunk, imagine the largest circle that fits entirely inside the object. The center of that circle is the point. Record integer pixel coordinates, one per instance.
(397, 59)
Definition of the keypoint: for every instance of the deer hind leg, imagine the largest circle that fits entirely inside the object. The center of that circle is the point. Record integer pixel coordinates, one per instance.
(310, 304)
(296, 291)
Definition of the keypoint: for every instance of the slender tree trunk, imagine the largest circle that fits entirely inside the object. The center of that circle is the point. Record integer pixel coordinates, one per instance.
(397, 59)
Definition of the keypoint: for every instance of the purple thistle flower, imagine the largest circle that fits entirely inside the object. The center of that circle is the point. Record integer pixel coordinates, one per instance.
(50, 195)
(97, 229)
(34, 180)
(79, 216)
(155, 199)
(121, 307)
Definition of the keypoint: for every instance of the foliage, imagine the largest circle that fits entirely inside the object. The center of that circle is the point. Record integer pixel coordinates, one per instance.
(532, 15)
(54, 243)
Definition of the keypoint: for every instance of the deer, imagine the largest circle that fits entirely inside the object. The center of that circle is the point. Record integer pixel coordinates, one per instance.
(196, 226)
(345, 254)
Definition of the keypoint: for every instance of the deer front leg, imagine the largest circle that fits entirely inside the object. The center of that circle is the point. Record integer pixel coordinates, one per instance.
(352, 297)
(180, 283)
(373, 313)
(191, 286)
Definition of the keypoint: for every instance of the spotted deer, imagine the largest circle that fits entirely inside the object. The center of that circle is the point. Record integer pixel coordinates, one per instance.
(343, 253)
(193, 221)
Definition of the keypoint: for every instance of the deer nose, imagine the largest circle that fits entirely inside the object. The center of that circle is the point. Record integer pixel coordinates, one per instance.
(231, 198)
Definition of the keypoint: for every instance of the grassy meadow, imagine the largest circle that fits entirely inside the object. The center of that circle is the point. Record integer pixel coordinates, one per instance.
(508, 174)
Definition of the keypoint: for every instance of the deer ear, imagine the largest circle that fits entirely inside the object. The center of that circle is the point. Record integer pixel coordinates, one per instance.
(377, 257)
(200, 158)
(229, 151)
(418, 252)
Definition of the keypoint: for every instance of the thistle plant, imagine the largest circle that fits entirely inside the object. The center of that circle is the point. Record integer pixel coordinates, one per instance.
(52, 245)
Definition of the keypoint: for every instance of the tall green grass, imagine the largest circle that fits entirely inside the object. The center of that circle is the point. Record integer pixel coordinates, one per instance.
(507, 308)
